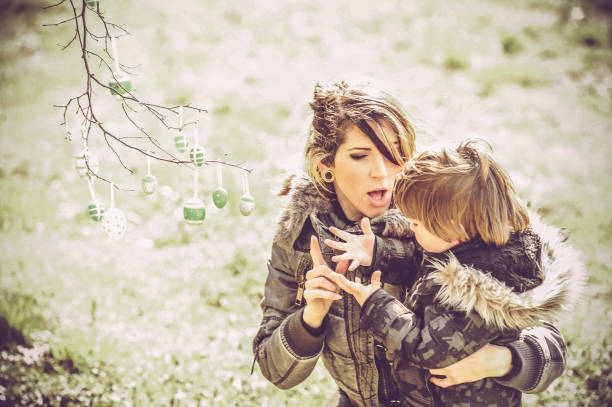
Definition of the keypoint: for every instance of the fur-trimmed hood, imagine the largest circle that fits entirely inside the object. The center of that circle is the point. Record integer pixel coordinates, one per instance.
(305, 200)
(468, 289)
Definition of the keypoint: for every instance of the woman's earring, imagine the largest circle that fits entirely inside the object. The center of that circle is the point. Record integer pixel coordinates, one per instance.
(328, 176)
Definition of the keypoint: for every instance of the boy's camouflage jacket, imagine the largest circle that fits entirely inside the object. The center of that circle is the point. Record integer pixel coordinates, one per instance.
(287, 353)
(467, 297)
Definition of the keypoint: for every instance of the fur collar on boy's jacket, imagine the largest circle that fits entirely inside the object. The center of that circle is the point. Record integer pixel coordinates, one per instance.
(533, 277)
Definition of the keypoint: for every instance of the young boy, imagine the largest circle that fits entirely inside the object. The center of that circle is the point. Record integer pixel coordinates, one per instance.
(487, 273)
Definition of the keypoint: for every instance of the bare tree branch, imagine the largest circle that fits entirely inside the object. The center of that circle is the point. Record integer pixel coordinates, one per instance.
(84, 102)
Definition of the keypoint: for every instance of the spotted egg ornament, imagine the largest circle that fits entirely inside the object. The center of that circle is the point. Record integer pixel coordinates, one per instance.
(181, 142)
(120, 84)
(81, 160)
(196, 155)
(247, 204)
(194, 211)
(95, 209)
(149, 184)
(114, 223)
(220, 197)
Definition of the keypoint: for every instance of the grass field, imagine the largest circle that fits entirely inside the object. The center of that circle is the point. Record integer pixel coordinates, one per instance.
(167, 315)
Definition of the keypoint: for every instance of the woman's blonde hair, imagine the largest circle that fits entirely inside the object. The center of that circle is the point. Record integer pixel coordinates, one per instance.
(336, 106)
(460, 194)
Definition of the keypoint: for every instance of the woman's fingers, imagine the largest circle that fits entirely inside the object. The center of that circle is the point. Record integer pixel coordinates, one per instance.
(310, 295)
(376, 277)
(366, 227)
(442, 382)
(315, 252)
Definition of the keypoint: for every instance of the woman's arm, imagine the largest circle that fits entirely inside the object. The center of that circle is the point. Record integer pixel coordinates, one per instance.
(538, 358)
(284, 349)
(529, 364)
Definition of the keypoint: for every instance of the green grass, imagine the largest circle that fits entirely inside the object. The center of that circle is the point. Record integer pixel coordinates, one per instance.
(167, 316)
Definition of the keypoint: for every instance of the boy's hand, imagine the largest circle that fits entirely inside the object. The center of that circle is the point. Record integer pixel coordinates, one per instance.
(356, 289)
(358, 248)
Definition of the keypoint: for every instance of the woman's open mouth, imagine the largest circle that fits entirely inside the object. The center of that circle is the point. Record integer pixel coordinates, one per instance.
(379, 197)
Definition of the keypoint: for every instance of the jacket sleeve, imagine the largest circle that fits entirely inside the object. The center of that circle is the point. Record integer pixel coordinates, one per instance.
(538, 358)
(397, 258)
(439, 339)
(284, 348)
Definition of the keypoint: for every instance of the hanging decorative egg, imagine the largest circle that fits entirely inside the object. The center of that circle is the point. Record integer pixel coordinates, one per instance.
(149, 184)
(181, 142)
(95, 210)
(220, 197)
(120, 84)
(247, 204)
(114, 223)
(196, 155)
(81, 161)
(194, 211)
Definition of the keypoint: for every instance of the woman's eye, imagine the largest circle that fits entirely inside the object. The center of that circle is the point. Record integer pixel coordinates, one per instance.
(357, 156)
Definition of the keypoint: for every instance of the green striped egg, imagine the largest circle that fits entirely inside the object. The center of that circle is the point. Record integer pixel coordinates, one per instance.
(220, 197)
(194, 211)
(196, 155)
(181, 142)
(120, 84)
(95, 210)
(247, 204)
(80, 163)
(149, 184)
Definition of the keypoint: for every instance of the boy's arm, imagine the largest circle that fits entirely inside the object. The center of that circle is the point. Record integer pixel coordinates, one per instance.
(399, 258)
(439, 339)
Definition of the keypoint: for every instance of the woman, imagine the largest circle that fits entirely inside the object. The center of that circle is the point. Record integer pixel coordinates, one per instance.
(360, 137)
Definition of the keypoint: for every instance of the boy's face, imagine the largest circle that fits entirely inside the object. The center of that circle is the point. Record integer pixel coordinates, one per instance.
(428, 240)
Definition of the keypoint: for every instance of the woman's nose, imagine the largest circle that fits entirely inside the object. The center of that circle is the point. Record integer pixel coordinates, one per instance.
(379, 167)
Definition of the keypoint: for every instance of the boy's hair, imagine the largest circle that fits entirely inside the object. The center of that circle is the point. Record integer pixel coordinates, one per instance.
(460, 194)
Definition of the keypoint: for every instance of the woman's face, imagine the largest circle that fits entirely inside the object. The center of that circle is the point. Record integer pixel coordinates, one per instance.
(363, 177)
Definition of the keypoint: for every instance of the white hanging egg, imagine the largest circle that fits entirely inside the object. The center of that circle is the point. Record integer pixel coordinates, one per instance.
(114, 223)
(81, 160)
(247, 204)
(95, 208)
(149, 184)
(194, 211)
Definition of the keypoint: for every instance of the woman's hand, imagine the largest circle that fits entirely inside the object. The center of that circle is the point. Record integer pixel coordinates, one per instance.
(358, 248)
(488, 361)
(356, 289)
(319, 291)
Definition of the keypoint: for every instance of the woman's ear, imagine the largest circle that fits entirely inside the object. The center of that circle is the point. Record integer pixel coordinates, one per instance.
(323, 168)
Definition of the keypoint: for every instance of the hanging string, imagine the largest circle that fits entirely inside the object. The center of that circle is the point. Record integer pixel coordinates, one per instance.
(115, 54)
(180, 114)
(219, 175)
(112, 194)
(195, 183)
(149, 163)
(92, 192)
(197, 132)
(245, 183)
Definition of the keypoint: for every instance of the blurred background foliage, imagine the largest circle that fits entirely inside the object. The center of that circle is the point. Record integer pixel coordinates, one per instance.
(166, 316)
